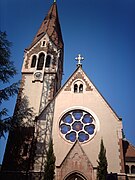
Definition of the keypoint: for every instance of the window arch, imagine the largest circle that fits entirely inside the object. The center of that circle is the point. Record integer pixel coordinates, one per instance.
(80, 88)
(43, 43)
(33, 62)
(75, 176)
(75, 88)
(40, 61)
(132, 169)
(48, 61)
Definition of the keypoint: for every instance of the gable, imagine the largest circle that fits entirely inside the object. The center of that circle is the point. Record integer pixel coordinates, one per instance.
(76, 161)
(105, 120)
(80, 75)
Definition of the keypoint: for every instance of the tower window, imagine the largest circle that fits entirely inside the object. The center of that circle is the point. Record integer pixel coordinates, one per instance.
(127, 169)
(75, 88)
(133, 169)
(43, 44)
(80, 88)
(40, 61)
(25, 149)
(48, 61)
(33, 62)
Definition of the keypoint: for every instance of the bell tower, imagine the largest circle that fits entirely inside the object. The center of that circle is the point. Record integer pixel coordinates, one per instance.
(41, 79)
(43, 62)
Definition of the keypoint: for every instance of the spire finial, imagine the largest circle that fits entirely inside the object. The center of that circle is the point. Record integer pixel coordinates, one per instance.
(54, 0)
(79, 58)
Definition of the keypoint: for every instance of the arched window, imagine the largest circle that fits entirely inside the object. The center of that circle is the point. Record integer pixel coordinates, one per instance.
(75, 88)
(33, 62)
(40, 61)
(127, 169)
(25, 149)
(43, 44)
(132, 169)
(48, 61)
(80, 88)
(76, 176)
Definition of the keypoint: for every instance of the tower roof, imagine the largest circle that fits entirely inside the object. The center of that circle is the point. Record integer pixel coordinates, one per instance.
(51, 26)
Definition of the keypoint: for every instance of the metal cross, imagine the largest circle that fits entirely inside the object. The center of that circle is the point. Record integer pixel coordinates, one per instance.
(79, 58)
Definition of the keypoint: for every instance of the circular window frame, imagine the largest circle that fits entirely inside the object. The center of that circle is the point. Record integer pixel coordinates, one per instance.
(95, 118)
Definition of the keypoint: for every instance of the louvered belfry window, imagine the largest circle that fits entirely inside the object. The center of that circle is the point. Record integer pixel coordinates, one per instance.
(48, 61)
(33, 63)
(40, 61)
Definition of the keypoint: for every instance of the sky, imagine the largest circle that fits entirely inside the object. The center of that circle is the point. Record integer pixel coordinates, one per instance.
(103, 31)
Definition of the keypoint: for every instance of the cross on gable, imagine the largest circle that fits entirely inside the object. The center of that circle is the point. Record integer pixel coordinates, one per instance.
(79, 58)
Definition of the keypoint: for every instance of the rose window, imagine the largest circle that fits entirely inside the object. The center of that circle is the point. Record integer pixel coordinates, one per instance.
(77, 125)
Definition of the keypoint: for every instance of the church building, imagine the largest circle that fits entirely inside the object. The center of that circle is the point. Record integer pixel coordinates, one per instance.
(75, 116)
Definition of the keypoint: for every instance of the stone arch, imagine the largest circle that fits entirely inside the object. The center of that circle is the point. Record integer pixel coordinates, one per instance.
(75, 175)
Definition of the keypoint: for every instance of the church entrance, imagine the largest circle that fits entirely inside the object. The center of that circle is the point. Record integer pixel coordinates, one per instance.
(75, 176)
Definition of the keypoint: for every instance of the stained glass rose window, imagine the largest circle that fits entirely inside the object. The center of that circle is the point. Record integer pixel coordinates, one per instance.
(77, 125)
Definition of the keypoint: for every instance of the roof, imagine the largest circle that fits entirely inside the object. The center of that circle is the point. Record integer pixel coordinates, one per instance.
(129, 150)
(51, 27)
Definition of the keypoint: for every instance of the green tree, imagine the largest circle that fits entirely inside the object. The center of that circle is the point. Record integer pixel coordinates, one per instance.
(102, 163)
(50, 163)
(7, 71)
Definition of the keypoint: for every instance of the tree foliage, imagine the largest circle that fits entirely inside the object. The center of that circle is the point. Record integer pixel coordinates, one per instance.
(50, 163)
(23, 114)
(7, 71)
(102, 163)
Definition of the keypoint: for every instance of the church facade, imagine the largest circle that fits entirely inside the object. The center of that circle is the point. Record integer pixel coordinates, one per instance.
(76, 116)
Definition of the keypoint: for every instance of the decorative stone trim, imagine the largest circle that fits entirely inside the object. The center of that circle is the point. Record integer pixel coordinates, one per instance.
(121, 156)
(78, 75)
(75, 162)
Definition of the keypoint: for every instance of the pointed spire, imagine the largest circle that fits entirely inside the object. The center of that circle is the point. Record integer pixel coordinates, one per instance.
(51, 26)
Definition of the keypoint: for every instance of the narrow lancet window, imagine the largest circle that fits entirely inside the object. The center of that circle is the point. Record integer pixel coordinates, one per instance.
(133, 169)
(40, 61)
(80, 88)
(127, 169)
(33, 62)
(43, 43)
(48, 61)
(25, 149)
(75, 88)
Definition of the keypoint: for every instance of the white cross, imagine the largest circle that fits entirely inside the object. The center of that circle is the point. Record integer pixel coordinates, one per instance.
(79, 58)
